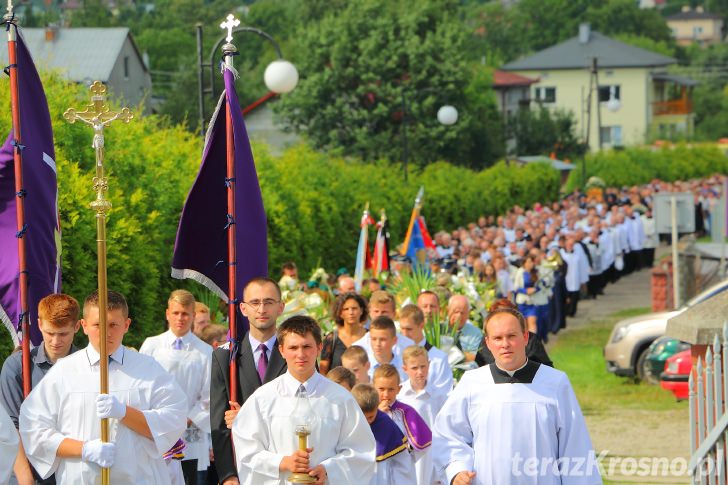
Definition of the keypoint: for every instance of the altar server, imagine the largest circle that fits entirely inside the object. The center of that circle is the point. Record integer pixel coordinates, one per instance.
(187, 358)
(60, 419)
(341, 444)
(515, 421)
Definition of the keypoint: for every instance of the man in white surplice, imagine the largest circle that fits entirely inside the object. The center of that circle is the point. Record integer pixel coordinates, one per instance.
(60, 419)
(341, 444)
(514, 421)
(187, 358)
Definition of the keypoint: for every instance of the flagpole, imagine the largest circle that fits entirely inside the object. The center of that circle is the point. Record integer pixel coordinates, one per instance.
(413, 219)
(228, 51)
(11, 22)
(98, 115)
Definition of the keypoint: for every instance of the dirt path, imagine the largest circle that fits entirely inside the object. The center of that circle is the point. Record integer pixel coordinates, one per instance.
(659, 439)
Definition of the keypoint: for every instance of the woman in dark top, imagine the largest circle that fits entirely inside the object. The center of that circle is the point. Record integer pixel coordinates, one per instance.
(350, 313)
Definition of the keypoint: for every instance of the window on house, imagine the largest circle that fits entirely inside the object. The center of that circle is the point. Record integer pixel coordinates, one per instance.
(545, 94)
(611, 135)
(126, 67)
(608, 92)
(697, 30)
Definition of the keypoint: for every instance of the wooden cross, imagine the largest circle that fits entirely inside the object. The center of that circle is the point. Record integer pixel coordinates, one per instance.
(230, 24)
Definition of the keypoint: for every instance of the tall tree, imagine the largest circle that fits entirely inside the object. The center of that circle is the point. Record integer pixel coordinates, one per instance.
(378, 72)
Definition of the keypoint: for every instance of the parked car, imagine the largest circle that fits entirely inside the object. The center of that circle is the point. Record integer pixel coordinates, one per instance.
(659, 351)
(628, 345)
(676, 376)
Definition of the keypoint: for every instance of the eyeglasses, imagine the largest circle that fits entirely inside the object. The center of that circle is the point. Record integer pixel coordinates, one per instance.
(267, 303)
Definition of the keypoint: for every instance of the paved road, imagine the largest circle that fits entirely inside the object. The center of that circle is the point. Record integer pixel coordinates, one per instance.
(632, 291)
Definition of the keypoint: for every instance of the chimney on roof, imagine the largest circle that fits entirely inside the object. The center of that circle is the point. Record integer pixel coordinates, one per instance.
(685, 8)
(699, 9)
(584, 33)
(51, 32)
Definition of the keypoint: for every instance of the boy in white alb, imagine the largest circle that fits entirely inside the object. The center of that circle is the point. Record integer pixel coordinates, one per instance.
(424, 398)
(341, 445)
(386, 382)
(60, 419)
(394, 463)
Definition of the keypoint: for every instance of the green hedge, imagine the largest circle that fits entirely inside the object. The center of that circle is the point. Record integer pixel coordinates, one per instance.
(634, 166)
(313, 201)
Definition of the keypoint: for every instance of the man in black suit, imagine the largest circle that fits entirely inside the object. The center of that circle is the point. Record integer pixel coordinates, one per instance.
(259, 362)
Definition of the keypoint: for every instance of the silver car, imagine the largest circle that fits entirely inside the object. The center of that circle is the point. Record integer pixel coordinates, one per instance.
(626, 350)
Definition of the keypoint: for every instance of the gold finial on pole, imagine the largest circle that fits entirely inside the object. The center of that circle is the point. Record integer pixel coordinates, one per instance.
(98, 115)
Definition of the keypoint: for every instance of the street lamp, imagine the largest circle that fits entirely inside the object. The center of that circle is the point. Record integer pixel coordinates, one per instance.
(447, 115)
(280, 76)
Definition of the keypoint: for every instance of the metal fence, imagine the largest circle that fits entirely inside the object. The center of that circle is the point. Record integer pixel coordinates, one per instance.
(709, 415)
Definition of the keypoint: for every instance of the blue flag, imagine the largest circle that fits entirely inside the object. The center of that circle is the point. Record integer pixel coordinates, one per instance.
(416, 250)
(200, 252)
(42, 230)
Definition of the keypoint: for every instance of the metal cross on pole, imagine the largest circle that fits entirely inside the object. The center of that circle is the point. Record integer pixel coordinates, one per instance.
(98, 115)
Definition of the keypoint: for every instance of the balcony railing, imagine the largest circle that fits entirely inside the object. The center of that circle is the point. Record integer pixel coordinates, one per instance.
(675, 107)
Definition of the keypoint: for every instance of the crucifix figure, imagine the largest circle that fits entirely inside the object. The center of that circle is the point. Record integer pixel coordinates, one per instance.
(230, 23)
(98, 115)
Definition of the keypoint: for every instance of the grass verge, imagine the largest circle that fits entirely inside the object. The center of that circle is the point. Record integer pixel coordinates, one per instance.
(579, 353)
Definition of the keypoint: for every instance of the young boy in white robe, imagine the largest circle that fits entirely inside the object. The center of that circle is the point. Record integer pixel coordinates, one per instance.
(188, 359)
(340, 445)
(386, 382)
(355, 359)
(343, 377)
(60, 419)
(514, 421)
(427, 400)
(383, 338)
(394, 463)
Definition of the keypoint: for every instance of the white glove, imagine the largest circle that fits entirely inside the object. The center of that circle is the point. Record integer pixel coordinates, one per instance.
(107, 406)
(99, 452)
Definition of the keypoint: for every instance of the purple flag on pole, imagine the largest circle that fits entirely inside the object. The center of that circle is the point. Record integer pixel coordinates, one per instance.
(42, 231)
(200, 252)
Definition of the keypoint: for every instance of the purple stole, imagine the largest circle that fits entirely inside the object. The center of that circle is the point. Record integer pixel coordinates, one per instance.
(418, 433)
(389, 438)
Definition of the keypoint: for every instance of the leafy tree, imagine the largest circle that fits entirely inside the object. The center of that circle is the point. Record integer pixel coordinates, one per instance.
(376, 66)
(543, 132)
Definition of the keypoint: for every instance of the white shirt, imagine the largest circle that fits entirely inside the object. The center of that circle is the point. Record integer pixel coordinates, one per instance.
(8, 445)
(440, 374)
(63, 405)
(190, 367)
(396, 362)
(427, 402)
(651, 239)
(263, 432)
(494, 429)
(366, 343)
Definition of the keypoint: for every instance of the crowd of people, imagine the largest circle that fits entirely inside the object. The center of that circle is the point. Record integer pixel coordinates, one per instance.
(379, 399)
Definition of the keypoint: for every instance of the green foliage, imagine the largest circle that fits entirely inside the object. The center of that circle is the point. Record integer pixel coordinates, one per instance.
(380, 68)
(661, 47)
(314, 201)
(151, 167)
(543, 132)
(504, 34)
(635, 166)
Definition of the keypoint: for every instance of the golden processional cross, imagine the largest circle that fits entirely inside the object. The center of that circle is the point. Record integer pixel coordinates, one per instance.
(98, 115)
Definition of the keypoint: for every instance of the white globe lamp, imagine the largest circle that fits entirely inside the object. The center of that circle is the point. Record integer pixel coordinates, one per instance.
(447, 115)
(281, 76)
